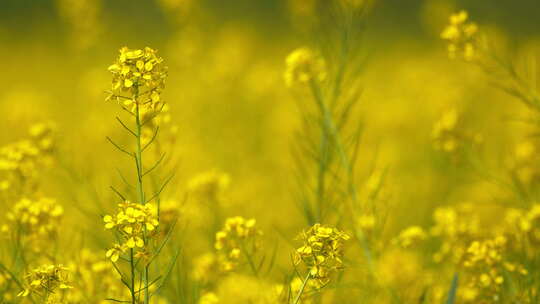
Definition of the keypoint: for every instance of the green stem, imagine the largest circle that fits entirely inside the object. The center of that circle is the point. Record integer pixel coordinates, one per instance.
(132, 286)
(345, 163)
(301, 291)
(139, 161)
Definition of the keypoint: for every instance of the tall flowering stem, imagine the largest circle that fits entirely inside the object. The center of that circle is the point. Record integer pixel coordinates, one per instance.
(138, 79)
(306, 69)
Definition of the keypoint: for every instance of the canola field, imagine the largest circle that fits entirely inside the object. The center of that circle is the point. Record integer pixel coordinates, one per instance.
(269, 152)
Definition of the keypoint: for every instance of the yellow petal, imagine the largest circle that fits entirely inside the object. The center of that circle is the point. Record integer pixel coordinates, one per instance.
(148, 66)
(140, 64)
(130, 243)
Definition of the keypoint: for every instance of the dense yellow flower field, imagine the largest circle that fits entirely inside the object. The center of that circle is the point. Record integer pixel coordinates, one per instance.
(264, 152)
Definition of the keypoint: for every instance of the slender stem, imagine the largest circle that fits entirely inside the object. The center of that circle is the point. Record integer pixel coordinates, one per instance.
(301, 291)
(132, 286)
(138, 133)
(323, 170)
(345, 163)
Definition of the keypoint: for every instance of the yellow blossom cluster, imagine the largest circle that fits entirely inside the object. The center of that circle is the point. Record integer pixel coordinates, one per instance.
(23, 158)
(410, 236)
(524, 225)
(37, 220)
(485, 264)
(138, 78)
(461, 36)
(83, 19)
(525, 162)
(321, 252)
(303, 65)
(239, 237)
(134, 222)
(455, 227)
(46, 280)
(448, 135)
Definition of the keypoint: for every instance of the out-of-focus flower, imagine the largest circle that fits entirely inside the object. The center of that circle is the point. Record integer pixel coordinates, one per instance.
(461, 36)
(303, 65)
(410, 236)
(205, 267)
(209, 298)
(486, 264)
(83, 19)
(237, 238)
(24, 159)
(445, 132)
(525, 162)
(456, 227)
(366, 222)
(37, 220)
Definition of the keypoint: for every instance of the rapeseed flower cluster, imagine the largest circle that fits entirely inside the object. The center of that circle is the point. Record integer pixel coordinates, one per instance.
(37, 221)
(487, 267)
(138, 78)
(47, 280)
(22, 160)
(455, 227)
(525, 161)
(303, 65)
(411, 236)
(135, 223)
(461, 36)
(238, 239)
(321, 252)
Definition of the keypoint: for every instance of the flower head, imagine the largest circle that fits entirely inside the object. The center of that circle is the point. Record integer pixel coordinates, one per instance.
(321, 252)
(461, 36)
(410, 236)
(302, 66)
(133, 221)
(138, 78)
(46, 280)
(38, 220)
(237, 236)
